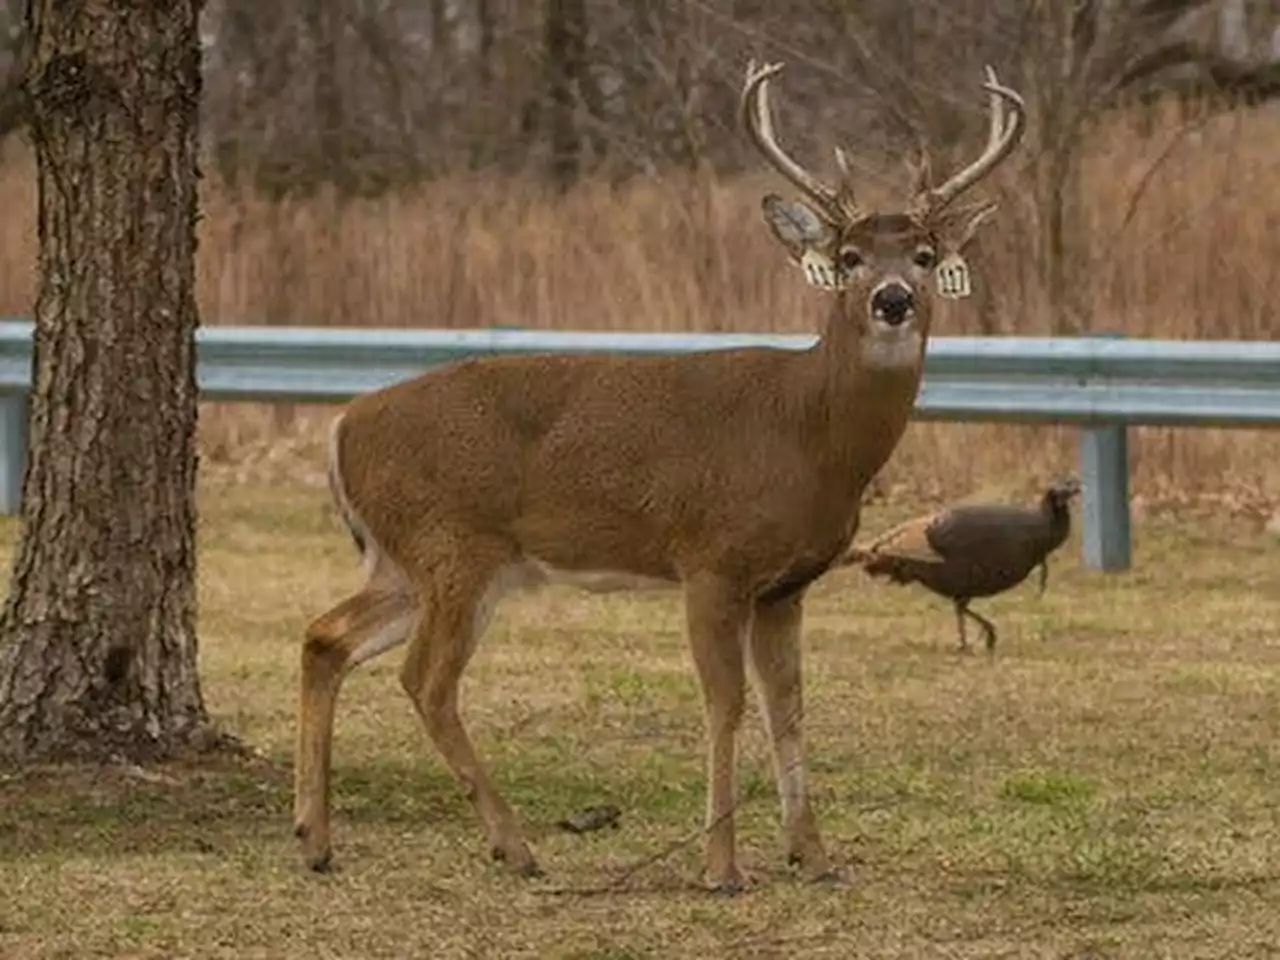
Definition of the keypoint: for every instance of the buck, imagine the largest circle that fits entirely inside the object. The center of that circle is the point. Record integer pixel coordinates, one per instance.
(732, 475)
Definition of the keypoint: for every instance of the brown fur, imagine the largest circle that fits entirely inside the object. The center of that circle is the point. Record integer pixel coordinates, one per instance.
(733, 475)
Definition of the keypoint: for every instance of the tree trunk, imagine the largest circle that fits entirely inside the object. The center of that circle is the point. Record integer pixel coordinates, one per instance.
(332, 161)
(563, 47)
(97, 638)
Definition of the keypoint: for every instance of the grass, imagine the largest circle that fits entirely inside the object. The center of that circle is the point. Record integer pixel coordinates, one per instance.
(1107, 790)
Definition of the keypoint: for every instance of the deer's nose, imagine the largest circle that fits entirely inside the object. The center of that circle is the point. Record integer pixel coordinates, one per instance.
(892, 303)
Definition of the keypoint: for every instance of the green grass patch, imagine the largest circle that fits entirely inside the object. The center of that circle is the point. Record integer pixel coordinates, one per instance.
(1048, 789)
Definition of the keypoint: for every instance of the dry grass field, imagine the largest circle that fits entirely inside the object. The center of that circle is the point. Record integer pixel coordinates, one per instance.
(1105, 787)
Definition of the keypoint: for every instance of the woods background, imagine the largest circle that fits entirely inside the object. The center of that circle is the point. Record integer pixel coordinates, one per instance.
(577, 164)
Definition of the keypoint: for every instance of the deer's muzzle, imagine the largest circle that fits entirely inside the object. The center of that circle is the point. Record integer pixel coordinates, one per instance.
(893, 303)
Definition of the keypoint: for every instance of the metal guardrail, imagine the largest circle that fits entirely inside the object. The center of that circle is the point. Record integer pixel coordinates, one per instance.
(1102, 385)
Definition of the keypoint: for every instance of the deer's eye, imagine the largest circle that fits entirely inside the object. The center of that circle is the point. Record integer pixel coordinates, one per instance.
(925, 258)
(850, 259)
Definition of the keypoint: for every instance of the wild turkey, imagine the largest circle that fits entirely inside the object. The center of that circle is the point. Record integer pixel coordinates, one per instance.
(972, 550)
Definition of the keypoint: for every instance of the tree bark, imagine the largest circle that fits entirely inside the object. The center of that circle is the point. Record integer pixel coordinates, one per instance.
(332, 161)
(97, 637)
(564, 43)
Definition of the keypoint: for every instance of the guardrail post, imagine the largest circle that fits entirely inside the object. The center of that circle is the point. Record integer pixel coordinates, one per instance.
(1104, 475)
(1104, 470)
(13, 450)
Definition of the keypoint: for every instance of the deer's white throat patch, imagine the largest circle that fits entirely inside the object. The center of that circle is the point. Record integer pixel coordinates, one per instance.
(891, 348)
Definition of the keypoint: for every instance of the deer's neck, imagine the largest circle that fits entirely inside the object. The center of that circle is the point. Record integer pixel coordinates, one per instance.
(862, 391)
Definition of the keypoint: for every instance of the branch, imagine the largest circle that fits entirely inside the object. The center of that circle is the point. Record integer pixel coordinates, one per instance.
(1148, 177)
(1259, 81)
(1142, 68)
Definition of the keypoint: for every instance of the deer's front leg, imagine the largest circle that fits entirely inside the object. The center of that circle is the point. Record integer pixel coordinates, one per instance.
(717, 624)
(775, 659)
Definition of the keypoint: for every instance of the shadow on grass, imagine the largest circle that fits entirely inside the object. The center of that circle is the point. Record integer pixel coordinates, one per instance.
(199, 808)
(89, 811)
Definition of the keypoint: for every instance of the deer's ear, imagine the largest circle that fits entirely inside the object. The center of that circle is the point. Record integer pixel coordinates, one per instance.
(796, 225)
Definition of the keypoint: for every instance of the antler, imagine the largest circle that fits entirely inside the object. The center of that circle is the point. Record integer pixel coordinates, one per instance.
(1004, 134)
(758, 119)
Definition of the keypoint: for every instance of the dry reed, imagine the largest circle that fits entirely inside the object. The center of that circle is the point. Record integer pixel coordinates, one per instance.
(1185, 252)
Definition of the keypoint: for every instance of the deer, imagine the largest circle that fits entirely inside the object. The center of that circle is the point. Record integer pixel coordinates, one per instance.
(733, 476)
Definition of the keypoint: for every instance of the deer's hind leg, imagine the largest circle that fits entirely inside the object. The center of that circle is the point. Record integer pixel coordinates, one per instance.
(371, 622)
(459, 594)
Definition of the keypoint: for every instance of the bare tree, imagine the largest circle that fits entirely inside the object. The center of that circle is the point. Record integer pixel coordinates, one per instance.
(1075, 59)
(565, 46)
(1080, 58)
(13, 105)
(97, 638)
(367, 95)
(307, 93)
